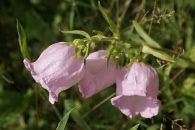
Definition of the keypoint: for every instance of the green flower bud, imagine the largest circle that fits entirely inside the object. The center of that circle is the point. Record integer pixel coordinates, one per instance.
(80, 47)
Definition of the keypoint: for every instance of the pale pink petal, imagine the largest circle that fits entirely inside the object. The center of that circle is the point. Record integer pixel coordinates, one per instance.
(137, 78)
(56, 69)
(133, 105)
(136, 92)
(97, 75)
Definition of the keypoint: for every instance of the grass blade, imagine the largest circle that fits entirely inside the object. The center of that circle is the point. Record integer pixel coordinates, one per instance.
(113, 26)
(62, 123)
(22, 41)
(134, 127)
(149, 41)
(79, 32)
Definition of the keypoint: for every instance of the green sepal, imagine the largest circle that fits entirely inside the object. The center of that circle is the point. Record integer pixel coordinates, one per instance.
(79, 32)
(109, 54)
(87, 51)
(149, 41)
(98, 32)
(159, 53)
(22, 40)
(112, 25)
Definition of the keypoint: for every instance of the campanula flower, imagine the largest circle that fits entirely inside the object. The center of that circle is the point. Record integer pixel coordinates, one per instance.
(136, 91)
(56, 69)
(97, 75)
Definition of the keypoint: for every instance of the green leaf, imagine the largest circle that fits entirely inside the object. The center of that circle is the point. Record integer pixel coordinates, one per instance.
(189, 86)
(7, 78)
(62, 123)
(191, 54)
(183, 62)
(75, 115)
(113, 26)
(131, 36)
(154, 127)
(149, 41)
(159, 53)
(72, 15)
(134, 127)
(22, 41)
(79, 32)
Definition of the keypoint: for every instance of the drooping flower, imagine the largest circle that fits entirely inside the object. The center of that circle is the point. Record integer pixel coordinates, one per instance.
(56, 69)
(136, 91)
(97, 75)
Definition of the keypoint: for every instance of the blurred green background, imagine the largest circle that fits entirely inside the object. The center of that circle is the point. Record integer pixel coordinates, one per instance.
(24, 104)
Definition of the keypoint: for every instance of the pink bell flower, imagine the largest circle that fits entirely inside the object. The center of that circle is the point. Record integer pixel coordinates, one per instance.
(136, 91)
(97, 75)
(56, 69)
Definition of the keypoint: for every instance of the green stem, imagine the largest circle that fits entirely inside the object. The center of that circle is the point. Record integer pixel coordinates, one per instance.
(98, 38)
(99, 104)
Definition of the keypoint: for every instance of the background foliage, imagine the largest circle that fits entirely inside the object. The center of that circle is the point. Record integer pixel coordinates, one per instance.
(24, 104)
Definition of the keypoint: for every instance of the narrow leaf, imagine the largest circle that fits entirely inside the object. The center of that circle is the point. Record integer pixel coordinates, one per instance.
(149, 41)
(79, 32)
(72, 16)
(129, 35)
(22, 41)
(75, 115)
(7, 78)
(159, 53)
(134, 127)
(113, 26)
(62, 123)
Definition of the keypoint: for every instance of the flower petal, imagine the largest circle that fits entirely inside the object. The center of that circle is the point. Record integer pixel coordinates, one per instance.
(136, 92)
(56, 69)
(137, 78)
(97, 76)
(133, 105)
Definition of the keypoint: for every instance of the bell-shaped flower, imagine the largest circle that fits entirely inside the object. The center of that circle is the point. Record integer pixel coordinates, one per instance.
(97, 75)
(56, 69)
(136, 91)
